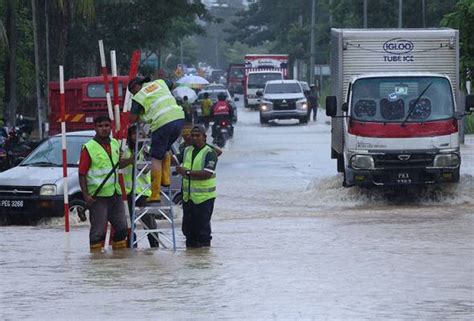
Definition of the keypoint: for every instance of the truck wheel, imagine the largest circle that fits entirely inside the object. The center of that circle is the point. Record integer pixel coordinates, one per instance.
(78, 211)
(263, 121)
(303, 120)
(340, 163)
(246, 103)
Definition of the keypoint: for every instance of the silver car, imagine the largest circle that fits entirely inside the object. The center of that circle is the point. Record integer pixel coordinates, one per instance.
(34, 189)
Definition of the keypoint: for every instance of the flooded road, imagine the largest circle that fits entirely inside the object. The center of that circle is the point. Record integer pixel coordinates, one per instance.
(289, 243)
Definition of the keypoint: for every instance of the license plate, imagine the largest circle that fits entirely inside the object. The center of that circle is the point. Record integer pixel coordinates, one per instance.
(224, 130)
(12, 203)
(403, 178)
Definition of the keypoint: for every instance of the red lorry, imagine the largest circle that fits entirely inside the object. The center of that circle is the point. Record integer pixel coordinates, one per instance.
(85, 99)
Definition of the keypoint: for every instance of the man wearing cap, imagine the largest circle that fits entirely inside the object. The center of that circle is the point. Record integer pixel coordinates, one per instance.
(154, 104)
(199, 188)
(98, 178)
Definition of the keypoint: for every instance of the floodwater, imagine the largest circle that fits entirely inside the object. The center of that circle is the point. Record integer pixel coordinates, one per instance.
(289, 243)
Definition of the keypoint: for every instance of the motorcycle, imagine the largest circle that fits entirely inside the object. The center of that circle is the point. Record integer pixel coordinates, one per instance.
(16, 146)
(222, 132)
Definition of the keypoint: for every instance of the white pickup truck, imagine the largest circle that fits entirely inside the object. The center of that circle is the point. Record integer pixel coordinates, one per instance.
(283, 99)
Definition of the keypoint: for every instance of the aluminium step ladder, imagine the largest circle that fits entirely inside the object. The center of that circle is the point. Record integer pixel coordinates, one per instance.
(162, 212)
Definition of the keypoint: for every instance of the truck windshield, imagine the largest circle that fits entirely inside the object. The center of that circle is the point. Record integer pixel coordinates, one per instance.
(49, 152)
(392, 99)
(98, 90)
(258, 80)
(283, 89)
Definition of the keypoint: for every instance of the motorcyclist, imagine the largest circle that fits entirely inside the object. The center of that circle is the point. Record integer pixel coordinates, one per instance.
(221, 110)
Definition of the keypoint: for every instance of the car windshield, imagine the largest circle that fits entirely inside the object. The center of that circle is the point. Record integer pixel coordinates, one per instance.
(292, 88)
(49, 153)
(259, 80)
(237, 72)
(392, 99)
(213, 94)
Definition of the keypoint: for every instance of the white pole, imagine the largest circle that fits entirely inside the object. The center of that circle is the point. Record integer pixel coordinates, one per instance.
(113, 63)
(106, 81)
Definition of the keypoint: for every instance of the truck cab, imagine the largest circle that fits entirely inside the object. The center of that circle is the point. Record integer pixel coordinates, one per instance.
(399, 128)
(255, 82)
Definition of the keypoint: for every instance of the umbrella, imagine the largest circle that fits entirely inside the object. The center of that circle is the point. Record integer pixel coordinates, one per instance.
(185, 91)
(193, 81)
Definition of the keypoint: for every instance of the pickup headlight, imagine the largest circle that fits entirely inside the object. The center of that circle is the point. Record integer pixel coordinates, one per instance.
(266, 106)
(362, 162)
(446, 160)
(47, 190)
(302, 104)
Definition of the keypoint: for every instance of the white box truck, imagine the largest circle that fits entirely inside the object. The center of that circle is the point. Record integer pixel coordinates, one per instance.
(393, 106)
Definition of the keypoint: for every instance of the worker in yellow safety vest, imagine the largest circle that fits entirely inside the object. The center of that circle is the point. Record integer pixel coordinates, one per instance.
(199, 188)
(142, 188)
(154, 104)
(98, 178)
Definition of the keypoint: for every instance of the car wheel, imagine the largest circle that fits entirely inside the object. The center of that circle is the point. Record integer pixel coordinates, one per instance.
(78, 211)
(178, 198)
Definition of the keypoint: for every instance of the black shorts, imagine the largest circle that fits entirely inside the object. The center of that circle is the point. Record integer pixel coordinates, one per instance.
(164, 137)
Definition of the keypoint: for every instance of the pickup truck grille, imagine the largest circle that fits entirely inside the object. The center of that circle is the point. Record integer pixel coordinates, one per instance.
(18, 190)
(284, 104)
(403, 160)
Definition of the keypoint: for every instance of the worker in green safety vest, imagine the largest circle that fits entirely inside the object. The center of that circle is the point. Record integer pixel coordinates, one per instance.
(98, 178)
(153, 103)
(199, 188)
(142, 188)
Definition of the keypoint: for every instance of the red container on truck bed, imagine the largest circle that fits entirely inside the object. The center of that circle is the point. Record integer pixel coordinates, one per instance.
(85, 100)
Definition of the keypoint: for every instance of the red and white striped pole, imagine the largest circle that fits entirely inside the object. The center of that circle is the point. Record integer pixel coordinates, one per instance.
(64, 148)
(106, 80)
(118, 133)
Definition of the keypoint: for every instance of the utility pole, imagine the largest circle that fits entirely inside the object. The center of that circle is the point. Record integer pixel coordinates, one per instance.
(365, 14)
(181, 58)
(400, 13)
(313, 45)
(423, 12)
(36, 53)
(330, 13)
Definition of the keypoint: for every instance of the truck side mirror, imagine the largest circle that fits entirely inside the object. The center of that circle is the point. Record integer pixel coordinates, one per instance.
(469, 103)
(344, 107)
(259, 94)
(331, 106)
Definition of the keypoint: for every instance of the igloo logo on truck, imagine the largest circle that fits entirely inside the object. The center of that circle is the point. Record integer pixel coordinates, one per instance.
(398, 49)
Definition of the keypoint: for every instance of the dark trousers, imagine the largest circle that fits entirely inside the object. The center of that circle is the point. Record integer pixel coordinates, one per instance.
(103, 210)
(148, 220)
(197, 223)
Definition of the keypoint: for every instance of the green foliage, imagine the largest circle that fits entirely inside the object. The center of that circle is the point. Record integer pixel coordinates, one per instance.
(76, 27)
(470, 124)
(462, 18)
(286, 23)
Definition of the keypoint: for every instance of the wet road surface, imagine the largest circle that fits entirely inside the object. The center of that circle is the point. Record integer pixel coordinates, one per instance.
(289, 243)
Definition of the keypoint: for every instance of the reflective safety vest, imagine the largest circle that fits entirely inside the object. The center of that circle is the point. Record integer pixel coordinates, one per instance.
(143, 182)
(101, 165)
(206, 106)
(221, 108)
(198, 191)
(160, 107)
